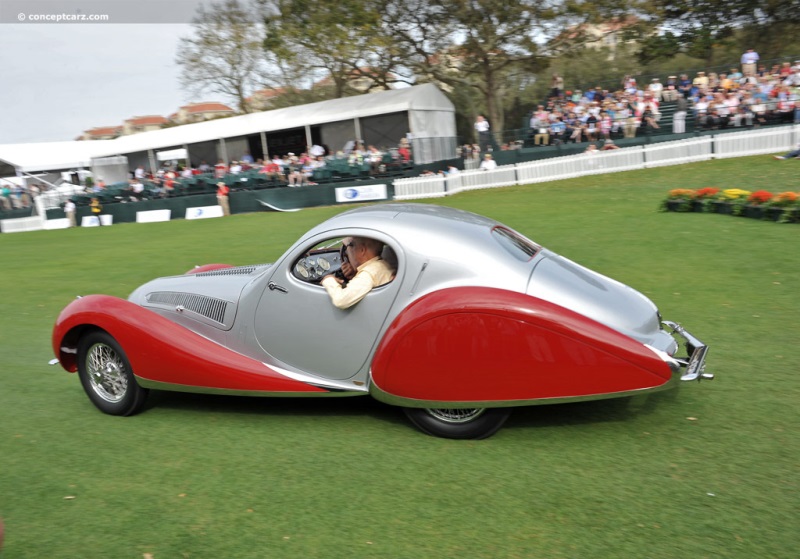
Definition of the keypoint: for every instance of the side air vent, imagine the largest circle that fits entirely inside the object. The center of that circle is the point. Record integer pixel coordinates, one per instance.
(209, 307)
(239, 271)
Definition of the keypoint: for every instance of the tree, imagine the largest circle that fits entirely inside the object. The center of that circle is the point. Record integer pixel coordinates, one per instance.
(224, 55)
(319, 41)
(693, 27)
(480, 44)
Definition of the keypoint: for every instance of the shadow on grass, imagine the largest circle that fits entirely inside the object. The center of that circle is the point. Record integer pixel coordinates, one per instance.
(363, 406)
(596, 411)
(528, 417)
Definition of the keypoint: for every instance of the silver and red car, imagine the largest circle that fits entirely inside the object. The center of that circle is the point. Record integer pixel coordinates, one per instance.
(478, 319)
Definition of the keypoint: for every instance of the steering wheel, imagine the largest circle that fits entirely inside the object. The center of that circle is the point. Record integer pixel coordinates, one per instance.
(317, 264)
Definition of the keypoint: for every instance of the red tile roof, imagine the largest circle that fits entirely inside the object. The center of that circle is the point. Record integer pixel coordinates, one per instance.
(206, 108)
(146, 120)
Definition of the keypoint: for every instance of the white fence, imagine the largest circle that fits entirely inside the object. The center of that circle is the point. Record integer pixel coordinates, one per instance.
(721, 146)
(738, 144)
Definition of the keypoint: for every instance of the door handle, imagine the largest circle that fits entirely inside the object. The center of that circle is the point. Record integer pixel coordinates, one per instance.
(275, 287)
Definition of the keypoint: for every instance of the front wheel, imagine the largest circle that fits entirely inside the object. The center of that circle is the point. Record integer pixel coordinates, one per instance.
(463, 423)
(107, 377)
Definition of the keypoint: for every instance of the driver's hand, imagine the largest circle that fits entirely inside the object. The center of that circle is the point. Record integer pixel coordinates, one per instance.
(348, 270)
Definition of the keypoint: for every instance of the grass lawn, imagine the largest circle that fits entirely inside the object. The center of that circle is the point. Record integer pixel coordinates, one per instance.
(706, 471)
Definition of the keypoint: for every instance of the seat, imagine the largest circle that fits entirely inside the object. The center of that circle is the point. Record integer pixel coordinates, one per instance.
(389, 256)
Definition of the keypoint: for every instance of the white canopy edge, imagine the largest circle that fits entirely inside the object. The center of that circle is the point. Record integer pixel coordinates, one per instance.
(426, 98)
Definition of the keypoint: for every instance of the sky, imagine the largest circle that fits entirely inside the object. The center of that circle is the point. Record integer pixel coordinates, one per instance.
(61, 79)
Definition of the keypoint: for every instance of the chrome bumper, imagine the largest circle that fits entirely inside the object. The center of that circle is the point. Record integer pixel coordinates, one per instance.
(695, 363)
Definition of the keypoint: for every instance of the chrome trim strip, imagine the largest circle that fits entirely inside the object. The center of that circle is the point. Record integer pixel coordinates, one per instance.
(171, 387)
(393, 400)
(327, 384)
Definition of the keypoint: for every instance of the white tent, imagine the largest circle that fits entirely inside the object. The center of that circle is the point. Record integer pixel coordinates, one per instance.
(423, 111)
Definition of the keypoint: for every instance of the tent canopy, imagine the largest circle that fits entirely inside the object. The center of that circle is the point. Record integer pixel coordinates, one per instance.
(431, 115)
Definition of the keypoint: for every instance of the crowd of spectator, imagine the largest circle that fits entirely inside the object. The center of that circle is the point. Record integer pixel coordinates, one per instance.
(747, 95)
(15, 196)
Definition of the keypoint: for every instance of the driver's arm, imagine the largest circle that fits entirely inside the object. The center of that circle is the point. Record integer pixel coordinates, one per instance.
(345, 297)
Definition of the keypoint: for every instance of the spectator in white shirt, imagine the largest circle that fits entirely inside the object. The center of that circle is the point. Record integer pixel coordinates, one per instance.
(488, 164)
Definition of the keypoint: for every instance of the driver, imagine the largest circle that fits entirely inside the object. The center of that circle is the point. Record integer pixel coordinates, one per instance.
(365, 269)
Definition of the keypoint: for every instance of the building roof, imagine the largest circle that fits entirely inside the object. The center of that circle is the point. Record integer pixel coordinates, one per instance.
(426, 100)
(208, 107)
(146, 120)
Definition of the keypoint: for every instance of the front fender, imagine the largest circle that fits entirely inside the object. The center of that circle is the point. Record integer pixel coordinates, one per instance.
(476, 344)
(162, 351)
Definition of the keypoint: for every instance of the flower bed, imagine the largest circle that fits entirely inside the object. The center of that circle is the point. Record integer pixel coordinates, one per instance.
(761, 204)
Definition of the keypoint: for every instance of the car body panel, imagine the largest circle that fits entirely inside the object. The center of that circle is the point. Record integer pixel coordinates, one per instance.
(165, 352)
(486, 345)
(476, 313)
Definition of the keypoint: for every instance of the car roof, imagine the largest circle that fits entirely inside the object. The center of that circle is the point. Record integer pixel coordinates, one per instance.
(429, 216)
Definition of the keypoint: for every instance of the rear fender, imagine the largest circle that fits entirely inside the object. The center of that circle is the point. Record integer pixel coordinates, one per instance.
(476, 344)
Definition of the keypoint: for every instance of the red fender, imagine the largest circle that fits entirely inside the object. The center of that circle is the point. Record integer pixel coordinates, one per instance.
(163, 351)
(477, 344)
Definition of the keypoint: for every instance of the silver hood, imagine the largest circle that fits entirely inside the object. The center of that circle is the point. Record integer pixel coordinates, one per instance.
(209, 298)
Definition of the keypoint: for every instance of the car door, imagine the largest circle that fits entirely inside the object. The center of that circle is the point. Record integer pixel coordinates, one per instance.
(297, 324)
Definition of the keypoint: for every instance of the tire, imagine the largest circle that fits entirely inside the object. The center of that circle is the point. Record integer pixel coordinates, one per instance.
(107, 377)
(468, 423)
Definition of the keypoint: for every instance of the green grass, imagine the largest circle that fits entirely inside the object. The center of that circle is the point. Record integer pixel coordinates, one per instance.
(707, 471)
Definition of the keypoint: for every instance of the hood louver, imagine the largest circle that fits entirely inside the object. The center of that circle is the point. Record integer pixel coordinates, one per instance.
(238, 271)
(211, 308)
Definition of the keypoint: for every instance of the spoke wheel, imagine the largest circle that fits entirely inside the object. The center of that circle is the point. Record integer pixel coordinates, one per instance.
(459, 423)
(107, 377)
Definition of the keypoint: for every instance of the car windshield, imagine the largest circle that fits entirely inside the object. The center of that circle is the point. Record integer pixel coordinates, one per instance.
(518, 246)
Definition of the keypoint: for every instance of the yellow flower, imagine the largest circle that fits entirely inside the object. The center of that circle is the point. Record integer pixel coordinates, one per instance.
(735, 193)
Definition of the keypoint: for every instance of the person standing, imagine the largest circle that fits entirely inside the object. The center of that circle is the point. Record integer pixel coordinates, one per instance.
(749, 61)
(69, 210)
(482, 128)
(96, 208)
(222, 198)
(679, 117)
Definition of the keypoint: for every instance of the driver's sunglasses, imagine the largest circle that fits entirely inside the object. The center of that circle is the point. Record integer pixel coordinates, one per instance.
(351, 245)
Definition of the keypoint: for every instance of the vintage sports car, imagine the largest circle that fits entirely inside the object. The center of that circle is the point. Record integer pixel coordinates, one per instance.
(477, 319)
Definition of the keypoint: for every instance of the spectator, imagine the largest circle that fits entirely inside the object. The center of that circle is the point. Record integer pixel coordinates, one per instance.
(679, 116)
(488, 164)
(557, 131)
(749, 60)
(96, 209)
(794, 154)
(220, 169)
(294, 171)
(656, 88)
(69, 211)
(670, 92)
(482, 128)
(685, 86)
(235, 168)
(556, 86)
(222, 198)
(540, 122)
(272, 170)
(609, 145)
(375, 158)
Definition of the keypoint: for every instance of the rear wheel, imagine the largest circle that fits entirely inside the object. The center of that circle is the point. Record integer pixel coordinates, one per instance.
(107, 377)
(461, 423)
